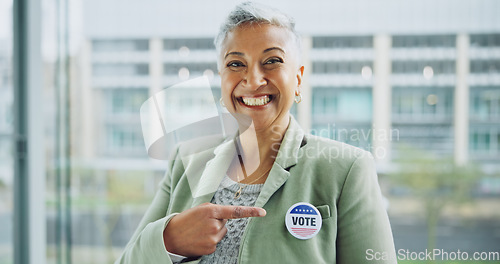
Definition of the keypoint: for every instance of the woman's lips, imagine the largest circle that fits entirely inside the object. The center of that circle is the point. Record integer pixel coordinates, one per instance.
(256, 101)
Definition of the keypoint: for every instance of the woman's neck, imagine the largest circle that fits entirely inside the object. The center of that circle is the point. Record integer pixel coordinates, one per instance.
(259, 147)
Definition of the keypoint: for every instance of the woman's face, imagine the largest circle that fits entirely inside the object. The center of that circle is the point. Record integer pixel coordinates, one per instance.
(260, 73)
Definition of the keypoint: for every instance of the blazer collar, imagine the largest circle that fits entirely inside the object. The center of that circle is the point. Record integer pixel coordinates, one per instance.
(287, 158)
(290, 145)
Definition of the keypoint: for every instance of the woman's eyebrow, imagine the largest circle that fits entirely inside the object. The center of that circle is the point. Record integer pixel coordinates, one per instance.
(236, 53)
(274, 48)
(241, 54)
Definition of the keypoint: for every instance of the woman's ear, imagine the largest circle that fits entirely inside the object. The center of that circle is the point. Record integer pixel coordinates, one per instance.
(300, 74)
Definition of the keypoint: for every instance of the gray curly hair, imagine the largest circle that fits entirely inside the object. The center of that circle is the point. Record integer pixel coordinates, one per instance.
(250, 12)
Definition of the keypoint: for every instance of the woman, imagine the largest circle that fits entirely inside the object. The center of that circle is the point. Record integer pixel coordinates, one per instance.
(271, 194)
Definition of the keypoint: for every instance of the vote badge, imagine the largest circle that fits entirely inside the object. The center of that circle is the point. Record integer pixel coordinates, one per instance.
(303, 220)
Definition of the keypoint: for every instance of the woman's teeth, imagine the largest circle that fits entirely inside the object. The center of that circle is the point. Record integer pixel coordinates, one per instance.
(256, 101)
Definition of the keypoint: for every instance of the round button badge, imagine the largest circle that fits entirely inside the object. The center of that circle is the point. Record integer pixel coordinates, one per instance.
(303, 220)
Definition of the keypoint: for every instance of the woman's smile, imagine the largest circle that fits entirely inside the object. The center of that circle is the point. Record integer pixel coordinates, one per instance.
(256, 101)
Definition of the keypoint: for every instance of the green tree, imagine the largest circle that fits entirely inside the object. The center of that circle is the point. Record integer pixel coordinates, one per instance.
(436, 181)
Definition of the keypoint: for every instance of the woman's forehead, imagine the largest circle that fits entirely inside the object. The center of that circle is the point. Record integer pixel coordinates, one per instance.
(258, 38)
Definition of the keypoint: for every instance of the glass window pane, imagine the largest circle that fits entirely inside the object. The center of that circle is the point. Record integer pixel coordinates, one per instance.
(6, 130)
(357, 105)
(131, 53)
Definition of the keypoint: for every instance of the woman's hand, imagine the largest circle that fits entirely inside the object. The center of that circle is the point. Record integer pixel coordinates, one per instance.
(197, 231)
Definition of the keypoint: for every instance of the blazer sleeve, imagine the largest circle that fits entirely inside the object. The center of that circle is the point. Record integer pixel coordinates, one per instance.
(364, 233)
(146, 244)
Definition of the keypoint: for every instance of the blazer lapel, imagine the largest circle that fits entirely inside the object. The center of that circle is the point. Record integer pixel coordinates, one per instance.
(287, 158)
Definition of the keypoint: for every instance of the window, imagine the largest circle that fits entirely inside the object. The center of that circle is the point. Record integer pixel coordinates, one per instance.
(343, 114)
(485, 40)
(125, 140)
(438, 67)
(436, 138)
(485, 66)
(120, 69)
(422, 104)
(120, 45)
(325, 102)
(485, 103)
(484, 141)
(359, 135)
(193, 44)
(423, 41)
(343, 42)
(423, 117)
(194, 68)
(334, 104)
(126, 100)
(339, 67)
(480, 141)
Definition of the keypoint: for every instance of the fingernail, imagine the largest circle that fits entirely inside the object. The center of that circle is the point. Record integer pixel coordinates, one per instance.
(262, 212)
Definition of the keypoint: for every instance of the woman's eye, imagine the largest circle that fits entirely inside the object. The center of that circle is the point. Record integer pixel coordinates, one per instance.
(235, 64)
(273, 61)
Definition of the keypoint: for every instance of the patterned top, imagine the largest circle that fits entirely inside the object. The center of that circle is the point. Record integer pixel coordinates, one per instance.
(228, 247)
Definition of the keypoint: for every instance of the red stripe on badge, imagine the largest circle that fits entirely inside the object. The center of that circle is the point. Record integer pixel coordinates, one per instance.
(303, 231)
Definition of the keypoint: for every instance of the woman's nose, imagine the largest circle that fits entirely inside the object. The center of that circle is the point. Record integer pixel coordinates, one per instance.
(254, 78)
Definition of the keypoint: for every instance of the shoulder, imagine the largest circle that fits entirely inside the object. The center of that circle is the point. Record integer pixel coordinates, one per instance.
(331, 154)
(191, 156)
(195, 151)
(333, 148)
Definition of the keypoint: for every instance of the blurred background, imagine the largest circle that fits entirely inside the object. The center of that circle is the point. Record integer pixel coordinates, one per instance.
(417, 83)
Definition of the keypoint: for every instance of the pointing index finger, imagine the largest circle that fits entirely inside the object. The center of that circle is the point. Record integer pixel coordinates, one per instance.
(235, 212)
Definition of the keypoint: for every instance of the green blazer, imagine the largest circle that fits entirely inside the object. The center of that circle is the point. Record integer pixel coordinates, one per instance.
(338, 179)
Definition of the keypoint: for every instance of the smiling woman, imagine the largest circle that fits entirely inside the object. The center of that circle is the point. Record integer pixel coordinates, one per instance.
(271, 193)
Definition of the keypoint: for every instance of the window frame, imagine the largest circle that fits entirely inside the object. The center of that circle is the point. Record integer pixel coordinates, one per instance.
(29, 170)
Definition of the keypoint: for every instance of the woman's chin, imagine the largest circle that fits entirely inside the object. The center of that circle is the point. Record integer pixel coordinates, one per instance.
(258, 121)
